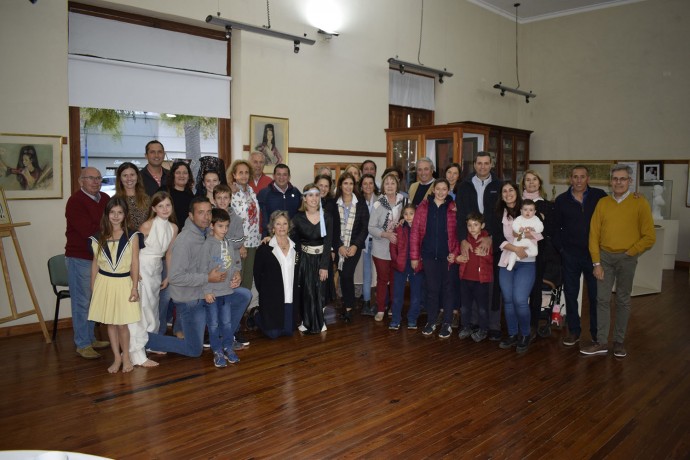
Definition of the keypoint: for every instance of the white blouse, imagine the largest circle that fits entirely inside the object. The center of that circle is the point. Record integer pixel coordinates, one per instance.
(287, 266)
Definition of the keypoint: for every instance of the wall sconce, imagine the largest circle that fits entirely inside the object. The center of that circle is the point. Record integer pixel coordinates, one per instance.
(327, 35)
(403, 66)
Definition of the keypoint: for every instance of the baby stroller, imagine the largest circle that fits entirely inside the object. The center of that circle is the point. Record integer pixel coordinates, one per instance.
(552, 306)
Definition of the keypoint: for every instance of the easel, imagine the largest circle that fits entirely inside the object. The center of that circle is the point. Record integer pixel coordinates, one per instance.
(7, 230)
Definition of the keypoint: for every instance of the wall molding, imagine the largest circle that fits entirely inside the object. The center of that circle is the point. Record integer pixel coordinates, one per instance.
(311, 151)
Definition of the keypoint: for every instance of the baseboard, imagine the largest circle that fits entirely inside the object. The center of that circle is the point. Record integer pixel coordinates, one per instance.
(682, 265)
(24, 329)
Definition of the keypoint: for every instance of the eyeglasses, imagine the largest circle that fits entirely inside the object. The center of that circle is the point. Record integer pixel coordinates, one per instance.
(98, 178)
(620, 179)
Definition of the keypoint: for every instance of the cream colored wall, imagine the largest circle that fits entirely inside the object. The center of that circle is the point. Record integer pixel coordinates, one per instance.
(33, 100)
(336, 93)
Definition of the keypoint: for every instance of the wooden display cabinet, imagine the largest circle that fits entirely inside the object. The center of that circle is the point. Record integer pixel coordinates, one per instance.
(444, 144)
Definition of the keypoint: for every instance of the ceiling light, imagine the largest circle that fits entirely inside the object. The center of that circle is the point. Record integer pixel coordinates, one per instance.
(230, 25)
(404, 65)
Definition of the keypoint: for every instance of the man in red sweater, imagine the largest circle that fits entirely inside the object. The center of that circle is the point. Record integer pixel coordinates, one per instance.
(83, 213)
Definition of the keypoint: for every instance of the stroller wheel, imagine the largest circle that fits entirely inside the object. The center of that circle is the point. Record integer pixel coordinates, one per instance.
(544, 331)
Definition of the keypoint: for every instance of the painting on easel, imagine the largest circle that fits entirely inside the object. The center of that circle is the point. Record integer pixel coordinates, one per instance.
(5, 217)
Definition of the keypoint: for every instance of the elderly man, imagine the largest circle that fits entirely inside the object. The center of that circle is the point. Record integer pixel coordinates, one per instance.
(572, 215)
(83, 213)
(279, 195)
(259, 180)
(621, 229)
(479, 193)
(154, 174)
(425, 177)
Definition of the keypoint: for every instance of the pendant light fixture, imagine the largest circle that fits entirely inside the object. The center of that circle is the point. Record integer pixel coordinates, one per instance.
(500, 86)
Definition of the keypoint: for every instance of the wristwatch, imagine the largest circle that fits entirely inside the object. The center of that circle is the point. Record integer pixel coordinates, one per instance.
(596, 264)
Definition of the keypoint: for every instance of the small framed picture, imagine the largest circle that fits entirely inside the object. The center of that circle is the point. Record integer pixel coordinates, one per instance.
(31, 166)
(651, 172)
(4, 210)
(269, 136)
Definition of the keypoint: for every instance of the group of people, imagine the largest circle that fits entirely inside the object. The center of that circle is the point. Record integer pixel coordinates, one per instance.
(247, 243)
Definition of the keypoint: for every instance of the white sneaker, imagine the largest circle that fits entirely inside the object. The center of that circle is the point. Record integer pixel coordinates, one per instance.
(323, 329)
(301, 328)
(379, 316)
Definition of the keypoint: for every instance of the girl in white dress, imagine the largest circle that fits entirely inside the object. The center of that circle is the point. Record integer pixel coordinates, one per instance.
(159, 233)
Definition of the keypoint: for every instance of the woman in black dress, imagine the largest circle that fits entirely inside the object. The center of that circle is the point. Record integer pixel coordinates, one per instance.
(312, 232)
(179, 186)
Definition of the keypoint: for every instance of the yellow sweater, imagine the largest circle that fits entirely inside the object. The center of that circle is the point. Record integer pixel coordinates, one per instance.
(621, 227)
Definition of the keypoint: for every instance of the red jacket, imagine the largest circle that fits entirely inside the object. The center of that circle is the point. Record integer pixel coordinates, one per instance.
(419, 229)
(485, 263)
(399, 251)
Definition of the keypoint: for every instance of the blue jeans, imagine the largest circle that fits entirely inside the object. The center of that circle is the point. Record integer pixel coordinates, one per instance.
(516, 286)
(399, 280)
(223, 317)
(192, 318)
(575, 265)
(79, 280)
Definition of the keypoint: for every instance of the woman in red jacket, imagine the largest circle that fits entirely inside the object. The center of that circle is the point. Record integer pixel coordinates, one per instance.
(434, 241)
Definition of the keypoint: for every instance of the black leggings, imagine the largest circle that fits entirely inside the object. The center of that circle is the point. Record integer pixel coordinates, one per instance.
(347, 279)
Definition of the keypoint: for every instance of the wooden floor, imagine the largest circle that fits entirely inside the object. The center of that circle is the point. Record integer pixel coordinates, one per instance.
(360, 390)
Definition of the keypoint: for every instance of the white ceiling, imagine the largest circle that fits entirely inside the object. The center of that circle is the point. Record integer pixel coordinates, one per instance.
(536, 10)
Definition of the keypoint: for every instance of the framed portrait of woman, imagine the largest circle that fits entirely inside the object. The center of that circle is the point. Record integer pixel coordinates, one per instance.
(269, 136)
(31, 166)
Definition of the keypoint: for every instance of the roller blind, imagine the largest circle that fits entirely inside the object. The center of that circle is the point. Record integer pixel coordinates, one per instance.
(117, 65)
(410, 90)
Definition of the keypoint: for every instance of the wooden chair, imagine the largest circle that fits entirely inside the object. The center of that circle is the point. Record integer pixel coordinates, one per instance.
(58, 278)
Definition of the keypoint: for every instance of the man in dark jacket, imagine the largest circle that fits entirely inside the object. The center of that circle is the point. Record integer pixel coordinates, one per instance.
(573, 211)
(279, 195)
(479, 193)
(154, 174)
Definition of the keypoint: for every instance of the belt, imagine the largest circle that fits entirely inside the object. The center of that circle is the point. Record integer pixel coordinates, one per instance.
(313, 249)
(113, 275)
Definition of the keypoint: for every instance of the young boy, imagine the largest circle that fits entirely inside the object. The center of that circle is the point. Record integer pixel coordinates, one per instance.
(222, 196)
(476, 274)
(225, 301)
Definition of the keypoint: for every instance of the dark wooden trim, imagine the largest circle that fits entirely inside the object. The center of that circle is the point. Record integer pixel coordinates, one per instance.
(224, 141)
(141, 20)
(666, 162)
(682, 265)
(540, 162)
(74, 148)
(311, 151)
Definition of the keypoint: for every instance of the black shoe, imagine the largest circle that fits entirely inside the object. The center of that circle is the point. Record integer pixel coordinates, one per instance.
(494, 336)
(251, 319)
(346, 316)
(239, 338)
(522, 344)
(508, 342)
(367, 310)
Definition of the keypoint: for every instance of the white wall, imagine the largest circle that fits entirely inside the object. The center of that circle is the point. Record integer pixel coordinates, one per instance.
(610, 84)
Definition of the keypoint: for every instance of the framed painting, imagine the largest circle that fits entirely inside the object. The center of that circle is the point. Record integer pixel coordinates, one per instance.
(31, 166)
(599, 171)
(5, 217)
(651, 172)
(269, 136)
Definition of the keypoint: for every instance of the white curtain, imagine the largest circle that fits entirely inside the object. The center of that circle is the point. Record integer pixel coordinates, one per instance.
(117, 65)
(410, 90)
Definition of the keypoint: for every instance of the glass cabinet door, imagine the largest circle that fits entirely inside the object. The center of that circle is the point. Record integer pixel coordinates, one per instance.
(508, 163)
(405, 159)
(440, 151)
(520, 158)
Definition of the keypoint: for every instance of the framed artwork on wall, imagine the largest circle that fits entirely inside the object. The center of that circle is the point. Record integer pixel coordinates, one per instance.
(651, 172)
(269, 135)
(599, 171)
(30, 166)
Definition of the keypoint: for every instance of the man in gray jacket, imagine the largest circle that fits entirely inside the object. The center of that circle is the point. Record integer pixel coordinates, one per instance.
(187, 279)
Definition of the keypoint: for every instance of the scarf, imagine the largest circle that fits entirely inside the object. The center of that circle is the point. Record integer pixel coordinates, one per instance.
(346, 226)
(534, 196)
(391, 217)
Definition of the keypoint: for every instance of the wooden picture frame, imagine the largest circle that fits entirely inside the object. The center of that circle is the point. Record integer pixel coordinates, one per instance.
(599, 171)
(261, 128)
(5, 217)
(31, 166)
(651, 172)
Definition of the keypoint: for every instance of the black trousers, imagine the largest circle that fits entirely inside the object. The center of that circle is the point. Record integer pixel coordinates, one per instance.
(347, 279)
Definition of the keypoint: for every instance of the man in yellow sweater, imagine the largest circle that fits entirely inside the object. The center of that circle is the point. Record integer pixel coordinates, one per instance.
(621, 229)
